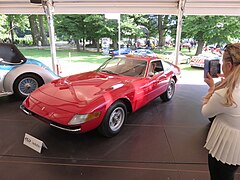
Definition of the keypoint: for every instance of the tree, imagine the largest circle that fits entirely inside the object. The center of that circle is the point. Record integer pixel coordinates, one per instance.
(34, 29)
(96, 28)
(130, 28)
(211, 29)
(71, 27)
(85, 27)
(167, 25)
(9, 23)
(3, 26)
(42, 31)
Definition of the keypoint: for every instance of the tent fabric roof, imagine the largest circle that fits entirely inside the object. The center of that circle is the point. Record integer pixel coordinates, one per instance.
(192, 7)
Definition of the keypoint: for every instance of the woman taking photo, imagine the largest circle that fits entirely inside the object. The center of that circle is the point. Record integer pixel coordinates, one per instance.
(223, 102)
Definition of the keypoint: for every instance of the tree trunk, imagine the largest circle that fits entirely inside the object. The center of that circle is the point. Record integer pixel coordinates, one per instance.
(115, 45)
(34, 29)
(98, 47)
(43, 36)
(161, 31)
(83, 43)
(199, 47)
(77, 44)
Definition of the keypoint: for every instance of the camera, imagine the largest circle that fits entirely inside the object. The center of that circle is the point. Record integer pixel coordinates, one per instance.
(212, 67)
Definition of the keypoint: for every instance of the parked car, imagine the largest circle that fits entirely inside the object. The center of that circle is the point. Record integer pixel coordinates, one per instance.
(198, 61)
(144, 52)
(20, 75)
(170, 56)
(123, 50)
(186, 45)
(103, 98)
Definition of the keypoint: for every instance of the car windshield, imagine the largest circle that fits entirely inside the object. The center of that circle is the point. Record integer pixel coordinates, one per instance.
(124, 67)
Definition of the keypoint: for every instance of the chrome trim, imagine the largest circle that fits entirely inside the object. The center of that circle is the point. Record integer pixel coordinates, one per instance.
(5, 93)
(25, 110)
(65, 129)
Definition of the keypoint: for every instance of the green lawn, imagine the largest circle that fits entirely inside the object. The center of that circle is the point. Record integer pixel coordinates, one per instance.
(88, 56)
(65, 55)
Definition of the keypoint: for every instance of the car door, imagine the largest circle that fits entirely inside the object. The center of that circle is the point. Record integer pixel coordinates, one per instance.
(158, 80)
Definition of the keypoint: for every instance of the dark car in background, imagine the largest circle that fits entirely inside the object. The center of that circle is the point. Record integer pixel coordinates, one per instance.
(124, 50)
(144, 52)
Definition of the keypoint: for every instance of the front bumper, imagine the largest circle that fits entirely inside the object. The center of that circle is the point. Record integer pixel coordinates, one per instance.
(51, 123)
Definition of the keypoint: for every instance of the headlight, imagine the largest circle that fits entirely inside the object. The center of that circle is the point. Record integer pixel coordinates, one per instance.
(82, 118)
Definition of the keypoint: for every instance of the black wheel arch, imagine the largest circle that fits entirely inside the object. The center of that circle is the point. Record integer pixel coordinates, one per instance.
(127, 103)
(174, 78)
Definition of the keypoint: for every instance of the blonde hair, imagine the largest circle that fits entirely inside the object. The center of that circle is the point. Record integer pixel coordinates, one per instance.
(233, 78)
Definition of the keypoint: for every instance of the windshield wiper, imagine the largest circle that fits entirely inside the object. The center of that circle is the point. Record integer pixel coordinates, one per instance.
(107, 71)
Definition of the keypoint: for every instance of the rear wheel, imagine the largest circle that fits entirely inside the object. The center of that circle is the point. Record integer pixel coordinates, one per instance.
(168, 94)
(25, 84)
(114, 119)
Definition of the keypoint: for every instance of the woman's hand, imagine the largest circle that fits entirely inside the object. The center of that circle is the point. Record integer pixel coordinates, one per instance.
(210, 82)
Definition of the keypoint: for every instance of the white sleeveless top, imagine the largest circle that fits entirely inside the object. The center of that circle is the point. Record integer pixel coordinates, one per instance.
(223, 140)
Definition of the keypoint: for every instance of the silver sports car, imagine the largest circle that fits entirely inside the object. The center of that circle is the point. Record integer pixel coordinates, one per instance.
(19, 75)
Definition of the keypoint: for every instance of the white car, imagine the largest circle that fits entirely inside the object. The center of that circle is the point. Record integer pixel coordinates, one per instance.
(20, 75)
(198, 61)
(170, 56)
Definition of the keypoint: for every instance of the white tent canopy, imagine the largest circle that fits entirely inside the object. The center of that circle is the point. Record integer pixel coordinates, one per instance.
(192, 7)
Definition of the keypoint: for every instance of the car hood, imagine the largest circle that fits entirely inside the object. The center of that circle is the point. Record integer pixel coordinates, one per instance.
(86, 88)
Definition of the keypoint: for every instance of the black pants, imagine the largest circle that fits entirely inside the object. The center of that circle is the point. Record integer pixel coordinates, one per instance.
(219, 170)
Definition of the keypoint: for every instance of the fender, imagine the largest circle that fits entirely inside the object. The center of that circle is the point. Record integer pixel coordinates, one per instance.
(24, 69)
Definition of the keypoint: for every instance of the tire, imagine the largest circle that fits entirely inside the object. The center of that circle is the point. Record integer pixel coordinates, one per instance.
(168, 94)
(114, 119)
(25, 84)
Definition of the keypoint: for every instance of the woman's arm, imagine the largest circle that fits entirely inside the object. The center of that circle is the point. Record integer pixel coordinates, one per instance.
(213, 106)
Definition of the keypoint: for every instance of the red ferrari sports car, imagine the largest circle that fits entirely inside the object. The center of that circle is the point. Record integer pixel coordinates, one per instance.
(103, 98)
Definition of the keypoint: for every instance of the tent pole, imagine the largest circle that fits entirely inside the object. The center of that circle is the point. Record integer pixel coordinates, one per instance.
(119, 34)
(181, 7)
(49, 10)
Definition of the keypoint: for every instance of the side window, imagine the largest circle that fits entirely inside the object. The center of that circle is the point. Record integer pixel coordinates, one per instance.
(166, 65)
(159, 67)
(155, 68)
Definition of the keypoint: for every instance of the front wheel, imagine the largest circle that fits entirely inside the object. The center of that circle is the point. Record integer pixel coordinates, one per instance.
(168, 94)
(25, 84)
(113, 120)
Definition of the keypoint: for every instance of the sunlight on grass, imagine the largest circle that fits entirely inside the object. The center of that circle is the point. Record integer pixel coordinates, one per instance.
(65, 55)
